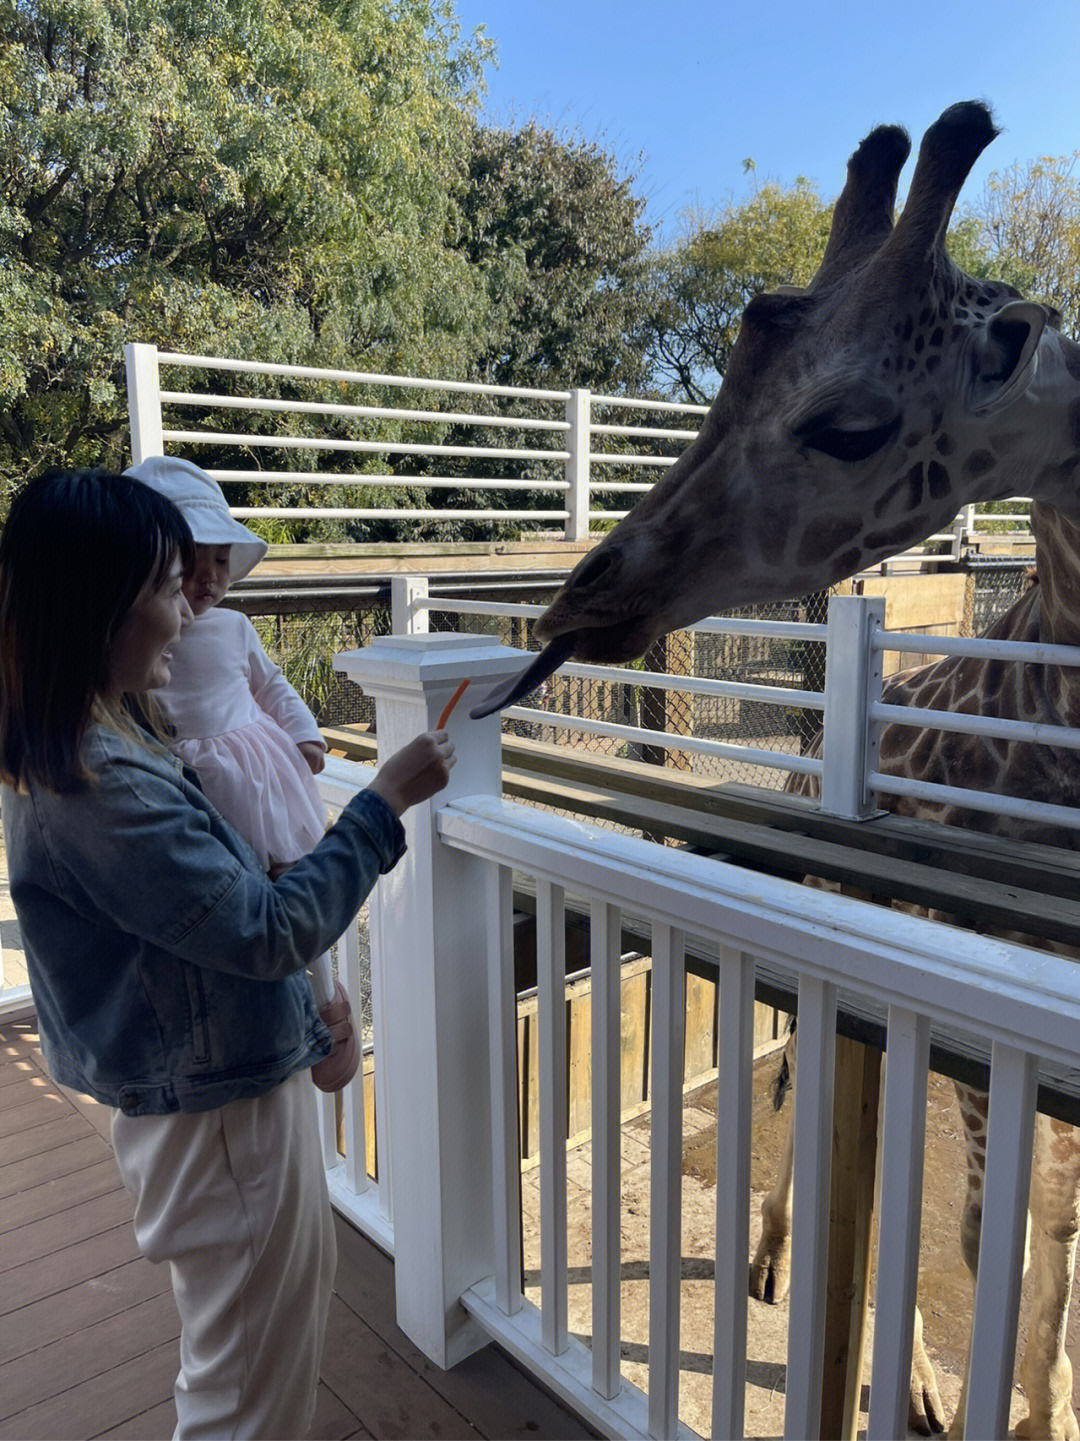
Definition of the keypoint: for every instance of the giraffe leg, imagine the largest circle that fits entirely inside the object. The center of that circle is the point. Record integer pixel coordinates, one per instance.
(770, 1270)
(1045, 1370)
(926, 1413)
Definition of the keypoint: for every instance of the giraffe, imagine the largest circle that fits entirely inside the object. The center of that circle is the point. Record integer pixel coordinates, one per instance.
(1045, 612)
(856, 417)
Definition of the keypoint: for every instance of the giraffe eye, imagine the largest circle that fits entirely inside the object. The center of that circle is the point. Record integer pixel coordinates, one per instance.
(848, 445)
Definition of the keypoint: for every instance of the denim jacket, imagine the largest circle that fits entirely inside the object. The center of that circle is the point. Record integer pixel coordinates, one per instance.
(166, 967)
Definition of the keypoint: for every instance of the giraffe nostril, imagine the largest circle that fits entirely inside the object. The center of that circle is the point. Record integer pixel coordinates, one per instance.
(592, 568)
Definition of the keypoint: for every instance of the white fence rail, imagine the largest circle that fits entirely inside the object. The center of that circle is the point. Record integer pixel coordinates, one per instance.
(447, 1199)
(587, 452)
(856, 639)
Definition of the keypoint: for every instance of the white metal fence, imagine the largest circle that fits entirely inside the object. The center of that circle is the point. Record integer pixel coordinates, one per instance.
(572, 445)
(853, 712)
(574, 466)
(447, 1198)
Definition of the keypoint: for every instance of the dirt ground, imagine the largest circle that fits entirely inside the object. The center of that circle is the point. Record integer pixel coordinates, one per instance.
(944, 1286)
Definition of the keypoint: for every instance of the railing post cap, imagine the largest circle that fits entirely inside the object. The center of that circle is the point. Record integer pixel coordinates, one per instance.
(422, 661)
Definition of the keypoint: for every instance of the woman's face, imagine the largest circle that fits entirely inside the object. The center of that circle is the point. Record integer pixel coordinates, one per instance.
(139, 660)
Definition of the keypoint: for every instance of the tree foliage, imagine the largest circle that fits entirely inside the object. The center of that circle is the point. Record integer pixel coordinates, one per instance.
(250, 178)
(1027, 223)
(1025, 230)
(306, 182)
(556, 233)
(701, 284)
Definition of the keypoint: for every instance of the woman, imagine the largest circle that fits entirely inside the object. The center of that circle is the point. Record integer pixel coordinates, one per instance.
(168, 970)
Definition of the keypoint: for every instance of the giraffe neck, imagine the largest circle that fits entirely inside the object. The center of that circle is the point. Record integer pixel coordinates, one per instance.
(1057, 564)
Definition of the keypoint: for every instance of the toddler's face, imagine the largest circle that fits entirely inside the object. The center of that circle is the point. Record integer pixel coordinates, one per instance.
(208, 580)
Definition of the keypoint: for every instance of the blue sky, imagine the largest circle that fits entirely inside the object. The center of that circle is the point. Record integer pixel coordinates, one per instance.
(682, 91)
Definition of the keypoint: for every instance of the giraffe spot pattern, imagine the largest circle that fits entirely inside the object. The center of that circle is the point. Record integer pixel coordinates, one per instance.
(979, 462)
(825, 538)
(938, 480)
(915, 486)
(897, 537)
(847, 563)
(887, 497)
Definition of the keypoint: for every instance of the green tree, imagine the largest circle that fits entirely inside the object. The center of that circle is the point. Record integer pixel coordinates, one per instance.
(553, 233)
(270, 179)
(556, 233)
(701, 284)
(1027, 223)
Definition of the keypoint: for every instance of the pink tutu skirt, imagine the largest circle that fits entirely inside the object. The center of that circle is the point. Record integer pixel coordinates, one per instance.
(263, 786)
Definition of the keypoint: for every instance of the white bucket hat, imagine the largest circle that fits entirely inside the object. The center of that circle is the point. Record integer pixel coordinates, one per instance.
(199, 499)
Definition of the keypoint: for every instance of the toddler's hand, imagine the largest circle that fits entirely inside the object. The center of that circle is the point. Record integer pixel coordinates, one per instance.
(314, 754)
(415, 772)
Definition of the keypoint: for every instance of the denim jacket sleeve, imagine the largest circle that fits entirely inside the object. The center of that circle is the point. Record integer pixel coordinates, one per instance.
(140, 849)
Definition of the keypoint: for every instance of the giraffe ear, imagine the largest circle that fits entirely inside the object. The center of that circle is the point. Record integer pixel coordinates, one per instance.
(1004, 355)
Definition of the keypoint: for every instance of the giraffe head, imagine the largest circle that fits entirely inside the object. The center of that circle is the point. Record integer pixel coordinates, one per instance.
(855, 418)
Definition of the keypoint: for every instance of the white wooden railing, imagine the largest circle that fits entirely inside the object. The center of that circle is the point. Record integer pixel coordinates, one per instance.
(853, 713)
(570, 420)
(447, 1201)
(582, 449)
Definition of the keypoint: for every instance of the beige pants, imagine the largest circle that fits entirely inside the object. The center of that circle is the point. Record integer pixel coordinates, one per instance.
(235, 1200)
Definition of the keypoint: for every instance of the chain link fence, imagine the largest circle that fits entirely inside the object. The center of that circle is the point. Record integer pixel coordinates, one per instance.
(304, 646)
(766, 661)
(998, 583)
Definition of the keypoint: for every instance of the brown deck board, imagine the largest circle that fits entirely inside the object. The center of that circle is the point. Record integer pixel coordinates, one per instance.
(15, 1069)
(88, 1329)
(21, 1085)
(88, 1150)
(57, 1272)
(60, 1193)
(23, 1144)
(100, 1402)
(32, 1379)
(53, 1233)
(487, 1387)
(35, 1110)
(152, 1425)
(80, 1306)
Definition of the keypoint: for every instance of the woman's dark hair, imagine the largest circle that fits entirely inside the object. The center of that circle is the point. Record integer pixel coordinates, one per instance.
(77, 549)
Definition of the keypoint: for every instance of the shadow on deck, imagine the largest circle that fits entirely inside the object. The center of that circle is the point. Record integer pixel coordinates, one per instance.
(88, 1329)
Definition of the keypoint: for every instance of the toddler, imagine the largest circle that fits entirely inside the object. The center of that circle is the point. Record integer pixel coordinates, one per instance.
(238, 722)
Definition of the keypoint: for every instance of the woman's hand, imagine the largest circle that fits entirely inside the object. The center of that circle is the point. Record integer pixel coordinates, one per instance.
(415, 772)
(314, 754)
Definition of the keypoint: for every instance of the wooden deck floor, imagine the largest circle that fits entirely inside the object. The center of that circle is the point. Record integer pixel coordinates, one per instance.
(88, 1329)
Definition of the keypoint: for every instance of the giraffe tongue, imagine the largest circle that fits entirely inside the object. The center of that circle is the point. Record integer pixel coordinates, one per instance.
(535, 673)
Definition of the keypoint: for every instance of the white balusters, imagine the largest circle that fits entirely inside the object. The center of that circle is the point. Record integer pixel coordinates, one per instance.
(1001, 1245)
(606, 936)
(551, 1029)
(810, 1219)
(734, 1097)
(899, 1214)
(665, 1218)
